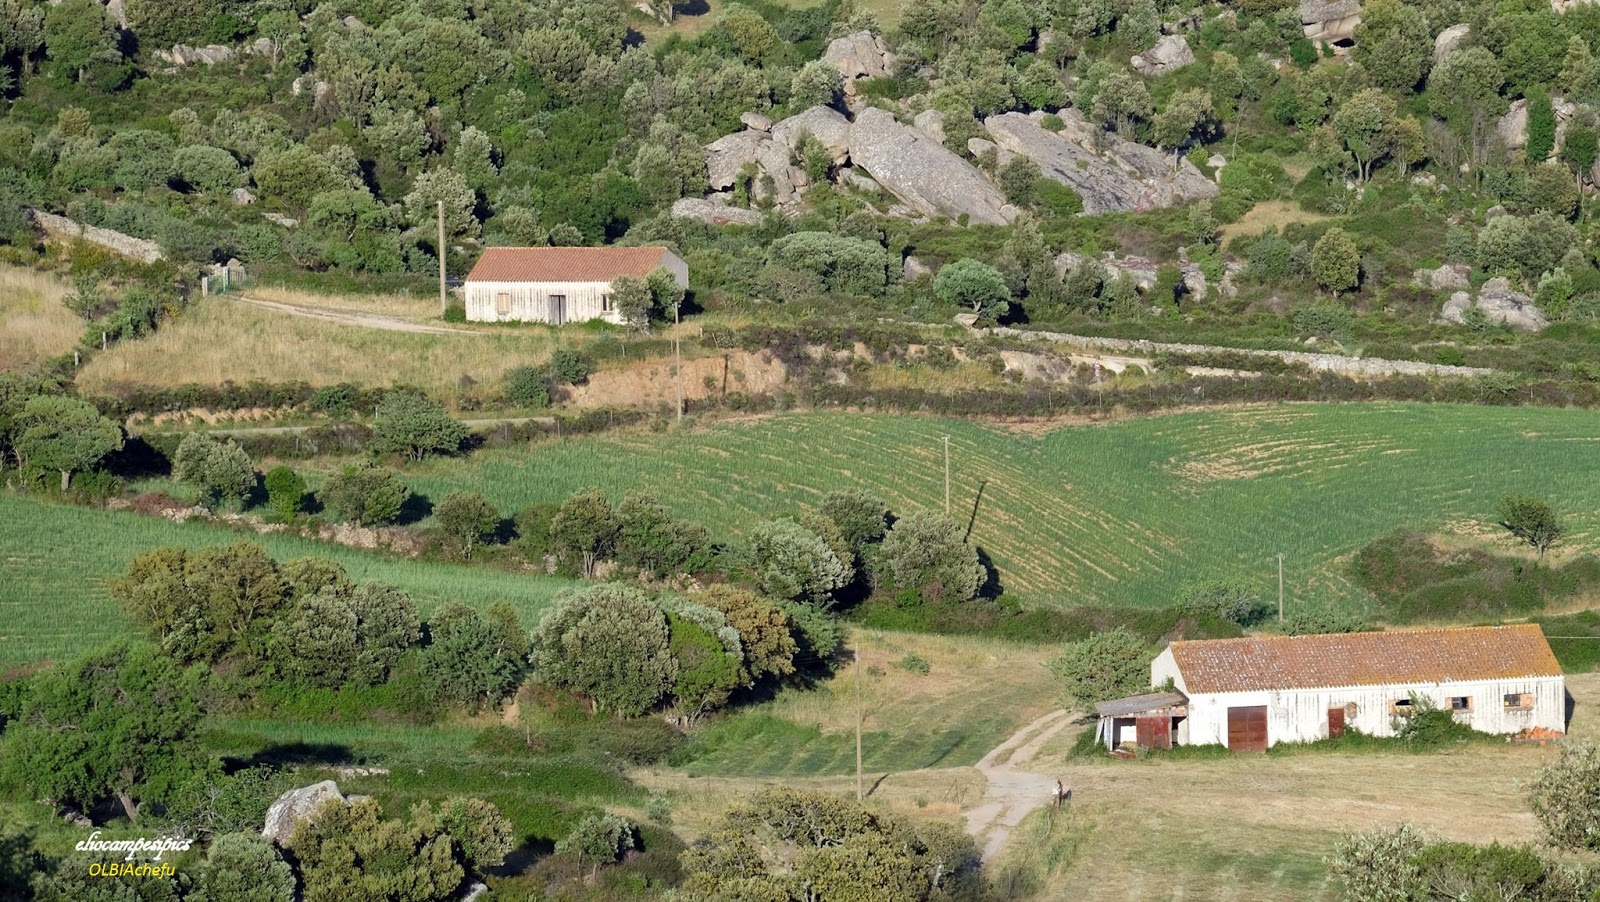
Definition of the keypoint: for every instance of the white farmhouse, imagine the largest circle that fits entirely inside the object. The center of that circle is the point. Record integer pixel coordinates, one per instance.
(1250, 693)
(559, 285)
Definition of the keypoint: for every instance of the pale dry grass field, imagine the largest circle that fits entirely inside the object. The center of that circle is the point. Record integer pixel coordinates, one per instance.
(416, 308)
(1270, 214)
(34, 326)
(218, 341)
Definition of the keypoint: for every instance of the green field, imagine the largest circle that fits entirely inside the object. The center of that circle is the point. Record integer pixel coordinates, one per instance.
(55, 563)
(1116, 514)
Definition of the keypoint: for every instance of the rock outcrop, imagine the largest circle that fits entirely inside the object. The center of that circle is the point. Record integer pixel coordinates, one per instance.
(859, 55)
(184, 55)
(1449, 41)
(1500, 303)
(1170, 54)
(931, 122)
(772, 153)
(714, 211)
(295, 806)
(1125, 176)
(923, 174)
(821, 122)
(1330, 21)
(1513, 126)
(756, 122)
(1446, 278)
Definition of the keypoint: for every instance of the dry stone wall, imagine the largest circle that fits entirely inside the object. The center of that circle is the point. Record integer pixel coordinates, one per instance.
(64, 229)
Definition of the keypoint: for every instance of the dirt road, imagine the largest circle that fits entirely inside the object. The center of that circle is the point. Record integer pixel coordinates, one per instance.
(366, 320)
(1013, 793)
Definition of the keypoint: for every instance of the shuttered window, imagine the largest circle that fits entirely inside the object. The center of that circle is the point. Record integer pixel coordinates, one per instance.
(502, 304)
(1519, 701)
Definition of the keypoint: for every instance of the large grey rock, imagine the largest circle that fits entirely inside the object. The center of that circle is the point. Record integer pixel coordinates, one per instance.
(295, 806)
(242, 197)
(823, 123)
(729, 154)
(1513, 126)
(1142, 272)
(1327, 21)
(851, 178)
(1170, 54)
(921, 172)
(707, 210)
(859, 55)
(756, 122)
(1503, 305)
(1126, 177)
(931, 122)
(1449, 41)
(1455, 309)
(912, 268)
(1445, 278)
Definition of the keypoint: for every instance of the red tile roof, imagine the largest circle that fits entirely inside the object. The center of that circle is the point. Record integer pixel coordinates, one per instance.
(1364, 659)
(564, 264)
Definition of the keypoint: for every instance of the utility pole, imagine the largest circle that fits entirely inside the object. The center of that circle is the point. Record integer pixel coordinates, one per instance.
(444, 305)
(946, 475)
(860, 715)
(677, 354)
(1280, 587)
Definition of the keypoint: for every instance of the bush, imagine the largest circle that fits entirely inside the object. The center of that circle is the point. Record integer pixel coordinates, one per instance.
(466, 518)
(527, 387)
(568, 368)
(414, 425)
(599, 839)
(1108, 665)
(929, 552)
(792, 563)
(1566, 798)
(609, 643)
(1227, 599)
(286, 492)
(365, 494)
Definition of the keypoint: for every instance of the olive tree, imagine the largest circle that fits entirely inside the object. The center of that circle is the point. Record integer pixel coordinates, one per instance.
(207, 604)
(609, 643)
(584, 529)
(1531, 520)
(632, 300)
(365, 494)
(1105, 665)
(466, 517)
(356, 637)
(219, 469)
(791, 562)
(929, 552)
(974, 285)
(415, 425)
(64, 434)
(598, 839)
(1380, 865)
(1336, 262)
(1566, 797)
(860, 515)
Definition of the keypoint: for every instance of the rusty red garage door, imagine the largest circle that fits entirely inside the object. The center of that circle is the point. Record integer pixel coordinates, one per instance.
(1247, 729)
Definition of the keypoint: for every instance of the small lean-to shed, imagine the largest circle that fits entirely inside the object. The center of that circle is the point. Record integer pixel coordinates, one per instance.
(559, 285)
(1147, 721)
(1254, 692)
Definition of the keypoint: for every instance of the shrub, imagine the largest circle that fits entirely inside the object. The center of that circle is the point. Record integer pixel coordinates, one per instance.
(790, 562)
(220, 470)
(1107, 665)
(929, 552)
(1228, 599)
(650, 540)
(1329, 321)
(286, 492)
(466, 518)
(243, 867)
(365, 494)
(568, 368)
(1566, 798)
(1379, 866)
(527, 387)
(609, 643)
(599, 839)
(413, 424)
(471, 660)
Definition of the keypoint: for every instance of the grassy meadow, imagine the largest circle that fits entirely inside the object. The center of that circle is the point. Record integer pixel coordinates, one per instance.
(56, 563)
(1120, 514)
(34, 326)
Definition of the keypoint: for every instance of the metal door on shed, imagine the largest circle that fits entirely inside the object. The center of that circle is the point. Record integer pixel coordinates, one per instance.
(1154, 732)
(1247, 728)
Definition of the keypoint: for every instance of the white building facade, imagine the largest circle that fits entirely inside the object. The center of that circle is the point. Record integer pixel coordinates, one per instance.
(559, 285)
(1251, 693)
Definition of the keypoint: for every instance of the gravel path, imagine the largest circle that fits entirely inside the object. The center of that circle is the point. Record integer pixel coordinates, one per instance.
(365, 320)
(1013, 793)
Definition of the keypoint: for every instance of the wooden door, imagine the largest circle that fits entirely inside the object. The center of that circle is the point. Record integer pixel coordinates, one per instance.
(1247, 728)
(558, 309)
(1154, 732)
(1335, 723)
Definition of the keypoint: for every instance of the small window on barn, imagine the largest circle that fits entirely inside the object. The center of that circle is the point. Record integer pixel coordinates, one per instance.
(502, 304)
(605, 303)
(1403, 706)
(1461, 703)
(1519, 701)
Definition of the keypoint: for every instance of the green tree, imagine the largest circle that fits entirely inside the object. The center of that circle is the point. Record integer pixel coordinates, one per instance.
(584, 530)
(1380, 865)
(765, 633)
(1227, 82)
(1103, 666)
(415, 425)
(1551, 188)
(652, 541)
(609, 643)
(1580, 74)
(750, 34)
(219, 469)
(466, 517)
(527, 387)
(243, 867)
(790, 562)
(208, 169)
(1121, 101)
(837, 262)
(1141, 24)
(1394, 43)
(1532, 520)
(64, 434)
(120, 723)
(1362, 123)
(347, 852)
(365, 494)
(78, 34)
(1019, 179)
(1541, 127)
(467, 660)
(633, 301)
(1188, 113)
(1565, 796)
(860, 515)
(929, 552)
(204, 605)
(1226, 599)
(1336, 262)
(598, 839)
(708, 671)
(818, 83)
(286, 492)
(974, 285)
(336, 638)
(294, 175)
(460, 202)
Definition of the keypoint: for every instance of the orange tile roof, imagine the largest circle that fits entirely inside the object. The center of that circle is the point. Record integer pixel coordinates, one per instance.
(564, 264)
(1364, 659)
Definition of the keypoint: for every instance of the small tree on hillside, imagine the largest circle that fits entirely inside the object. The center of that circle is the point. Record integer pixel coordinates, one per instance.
(65, 435)
(1380, 866)
(286, 492)
(790, 562)
(976, 286)
(567, 367)
(220, 470)
(466, 661)
(599, 839)
(466, 517)
(1566, 798)
(859, 515)
(1336, 262)
(584, 530)
(415, 425)
(929, 552)
(528, 387)
(1103, 666)
(609, 643)
(365, 494)
(633, 301)
(1532, 520)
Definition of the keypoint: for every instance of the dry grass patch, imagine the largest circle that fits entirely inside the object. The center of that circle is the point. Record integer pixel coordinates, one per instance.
(34, 325)
(416, 308)
(1270, 214)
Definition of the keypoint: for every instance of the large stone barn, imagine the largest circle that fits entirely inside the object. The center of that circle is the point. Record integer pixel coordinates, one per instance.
(559, 285)
(1250, 693)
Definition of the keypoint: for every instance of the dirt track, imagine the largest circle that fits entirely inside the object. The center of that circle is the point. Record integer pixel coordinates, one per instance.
(1012, 793)
(366, 320)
